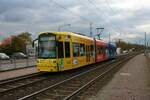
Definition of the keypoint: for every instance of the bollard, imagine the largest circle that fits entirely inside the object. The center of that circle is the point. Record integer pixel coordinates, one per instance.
(14, 63)
(27, 62)
(11, 61)
(0, 64)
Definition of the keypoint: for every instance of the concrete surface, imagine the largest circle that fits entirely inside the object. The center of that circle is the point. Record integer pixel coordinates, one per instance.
(16, 73)
(131, 82)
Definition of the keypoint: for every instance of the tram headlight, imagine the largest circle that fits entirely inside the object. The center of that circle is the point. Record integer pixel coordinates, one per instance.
(38, 61)
(54, 61)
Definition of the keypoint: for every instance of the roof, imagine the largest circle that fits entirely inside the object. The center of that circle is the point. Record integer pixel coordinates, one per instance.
(68, 33)
(100, 42)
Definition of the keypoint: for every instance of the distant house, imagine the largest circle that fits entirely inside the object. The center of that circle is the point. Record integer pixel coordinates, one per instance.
(30, 51)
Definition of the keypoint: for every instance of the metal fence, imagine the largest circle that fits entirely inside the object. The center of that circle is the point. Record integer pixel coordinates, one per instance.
(17, 63)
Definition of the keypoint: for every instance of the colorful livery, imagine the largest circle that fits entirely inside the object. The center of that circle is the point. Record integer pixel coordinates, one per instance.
(59, 51)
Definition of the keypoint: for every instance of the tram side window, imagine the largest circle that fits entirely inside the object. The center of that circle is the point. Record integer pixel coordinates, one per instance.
(92, 49)
(82, 49)
(67, 49)
(107, 51)
(89, 50)
(86, 50)
(75, 49)
(98, 50)
(104, 50)
(112, 53)
(60, 50)
(101, 50)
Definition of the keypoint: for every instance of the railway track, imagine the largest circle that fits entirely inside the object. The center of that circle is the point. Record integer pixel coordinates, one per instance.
(9, 85)
(71, 87)
(19, 87)
(24, 86)
(3, 82)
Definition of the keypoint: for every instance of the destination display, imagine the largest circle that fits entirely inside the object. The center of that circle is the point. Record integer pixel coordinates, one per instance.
(47, 38)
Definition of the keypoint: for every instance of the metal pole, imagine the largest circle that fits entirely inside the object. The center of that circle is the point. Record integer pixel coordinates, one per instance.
(0, 64)
(90, 29)
(98, 34)
(145, 41)
(15, 66)
(145, 45)
(109, 37)
(99, 28)
(27, 65)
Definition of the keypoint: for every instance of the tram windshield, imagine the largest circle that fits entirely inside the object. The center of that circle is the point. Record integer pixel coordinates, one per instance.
(47, 46)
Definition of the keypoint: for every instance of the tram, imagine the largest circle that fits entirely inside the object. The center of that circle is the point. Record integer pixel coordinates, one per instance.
(60, 51)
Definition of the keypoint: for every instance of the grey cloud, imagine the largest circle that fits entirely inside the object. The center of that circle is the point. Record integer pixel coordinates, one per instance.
(42, 15)
(20, 10)
(16, 4)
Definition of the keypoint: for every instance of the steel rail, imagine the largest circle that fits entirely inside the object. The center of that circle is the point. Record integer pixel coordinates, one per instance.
(93, 80)
(14, 86)
(55, 85)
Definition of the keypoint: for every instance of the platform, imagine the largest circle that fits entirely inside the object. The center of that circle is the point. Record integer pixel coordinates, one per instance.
(17, 73)
(131, 82)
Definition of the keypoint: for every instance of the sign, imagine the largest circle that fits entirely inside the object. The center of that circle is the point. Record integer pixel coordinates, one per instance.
(47, 38)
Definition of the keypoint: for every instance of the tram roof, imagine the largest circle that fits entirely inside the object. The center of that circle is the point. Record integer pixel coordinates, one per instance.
(69, 33)
(79, 35)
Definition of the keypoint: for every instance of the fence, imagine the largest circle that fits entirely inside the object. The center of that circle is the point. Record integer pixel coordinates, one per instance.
(16, 63)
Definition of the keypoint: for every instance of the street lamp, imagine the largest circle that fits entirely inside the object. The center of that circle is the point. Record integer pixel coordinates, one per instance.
(99, 31)
(59, 27)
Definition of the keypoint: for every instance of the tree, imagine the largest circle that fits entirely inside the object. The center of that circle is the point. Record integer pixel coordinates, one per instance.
(127, 46)
(17, 44)
(20, 41)
(25, 36)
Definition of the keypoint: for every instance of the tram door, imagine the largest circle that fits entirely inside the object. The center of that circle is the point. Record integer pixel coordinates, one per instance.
(64, 57)
(60, 55)
(87, 54)
(67, 59)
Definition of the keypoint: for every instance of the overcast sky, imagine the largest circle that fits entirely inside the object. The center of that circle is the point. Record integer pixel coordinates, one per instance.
(124, 19)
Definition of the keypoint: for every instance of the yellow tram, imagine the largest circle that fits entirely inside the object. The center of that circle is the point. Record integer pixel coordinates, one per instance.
(59, 51)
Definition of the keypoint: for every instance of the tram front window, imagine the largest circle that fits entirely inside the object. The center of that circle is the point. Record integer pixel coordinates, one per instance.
(47, 47)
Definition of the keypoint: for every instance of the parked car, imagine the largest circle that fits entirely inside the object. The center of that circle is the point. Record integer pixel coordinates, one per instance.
(3, 56)
(19, 55)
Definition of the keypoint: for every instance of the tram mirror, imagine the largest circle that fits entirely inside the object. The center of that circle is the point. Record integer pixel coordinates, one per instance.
(34, 42)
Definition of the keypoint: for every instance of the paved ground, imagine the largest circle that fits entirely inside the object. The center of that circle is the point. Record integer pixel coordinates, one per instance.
(131, 82)
(16, 73)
